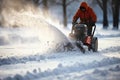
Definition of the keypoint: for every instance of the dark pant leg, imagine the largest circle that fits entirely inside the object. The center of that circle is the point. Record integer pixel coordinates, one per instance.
(89, 31)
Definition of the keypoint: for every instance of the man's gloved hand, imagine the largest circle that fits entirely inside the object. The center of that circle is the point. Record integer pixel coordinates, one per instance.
(73, 23)
(92, 23)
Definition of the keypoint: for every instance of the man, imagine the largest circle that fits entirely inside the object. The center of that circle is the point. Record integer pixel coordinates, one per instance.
(86, 15)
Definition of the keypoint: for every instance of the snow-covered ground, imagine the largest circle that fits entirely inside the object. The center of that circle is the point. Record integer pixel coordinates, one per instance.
(25, 55)
(34, 48)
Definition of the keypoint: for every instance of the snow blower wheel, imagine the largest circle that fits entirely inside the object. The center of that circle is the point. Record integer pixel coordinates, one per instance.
(95, 44)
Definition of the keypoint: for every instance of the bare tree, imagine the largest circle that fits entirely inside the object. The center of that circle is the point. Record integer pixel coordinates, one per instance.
(103, 6)
(64, 12)
(115, 11)
(36, 2)
(45, 6)
(64, 4)
(44, 3)
(1, 16)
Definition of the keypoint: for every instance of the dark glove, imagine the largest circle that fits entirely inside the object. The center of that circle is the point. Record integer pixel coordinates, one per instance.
(73, 23)
(92, 23)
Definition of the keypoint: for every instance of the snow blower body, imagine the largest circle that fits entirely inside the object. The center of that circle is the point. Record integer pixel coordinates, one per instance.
(80, 34)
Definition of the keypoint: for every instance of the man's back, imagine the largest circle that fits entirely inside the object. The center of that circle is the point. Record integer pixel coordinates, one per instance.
(85, 13)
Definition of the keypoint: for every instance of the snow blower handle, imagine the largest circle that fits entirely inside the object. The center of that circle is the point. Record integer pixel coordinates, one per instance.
(73, 25)
(93, 30)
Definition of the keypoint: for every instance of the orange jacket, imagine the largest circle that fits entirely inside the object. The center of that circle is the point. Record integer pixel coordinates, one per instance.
(87, 16)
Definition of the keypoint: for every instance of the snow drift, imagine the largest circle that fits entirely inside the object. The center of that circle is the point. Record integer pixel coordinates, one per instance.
(72, 72)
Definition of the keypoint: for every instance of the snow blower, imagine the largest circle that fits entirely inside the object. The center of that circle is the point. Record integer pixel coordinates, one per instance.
(82, 38)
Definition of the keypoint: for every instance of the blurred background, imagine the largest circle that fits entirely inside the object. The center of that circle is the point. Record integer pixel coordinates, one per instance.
(107, 11)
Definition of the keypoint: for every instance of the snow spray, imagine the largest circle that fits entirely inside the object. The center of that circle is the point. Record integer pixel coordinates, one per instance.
(30, 25)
